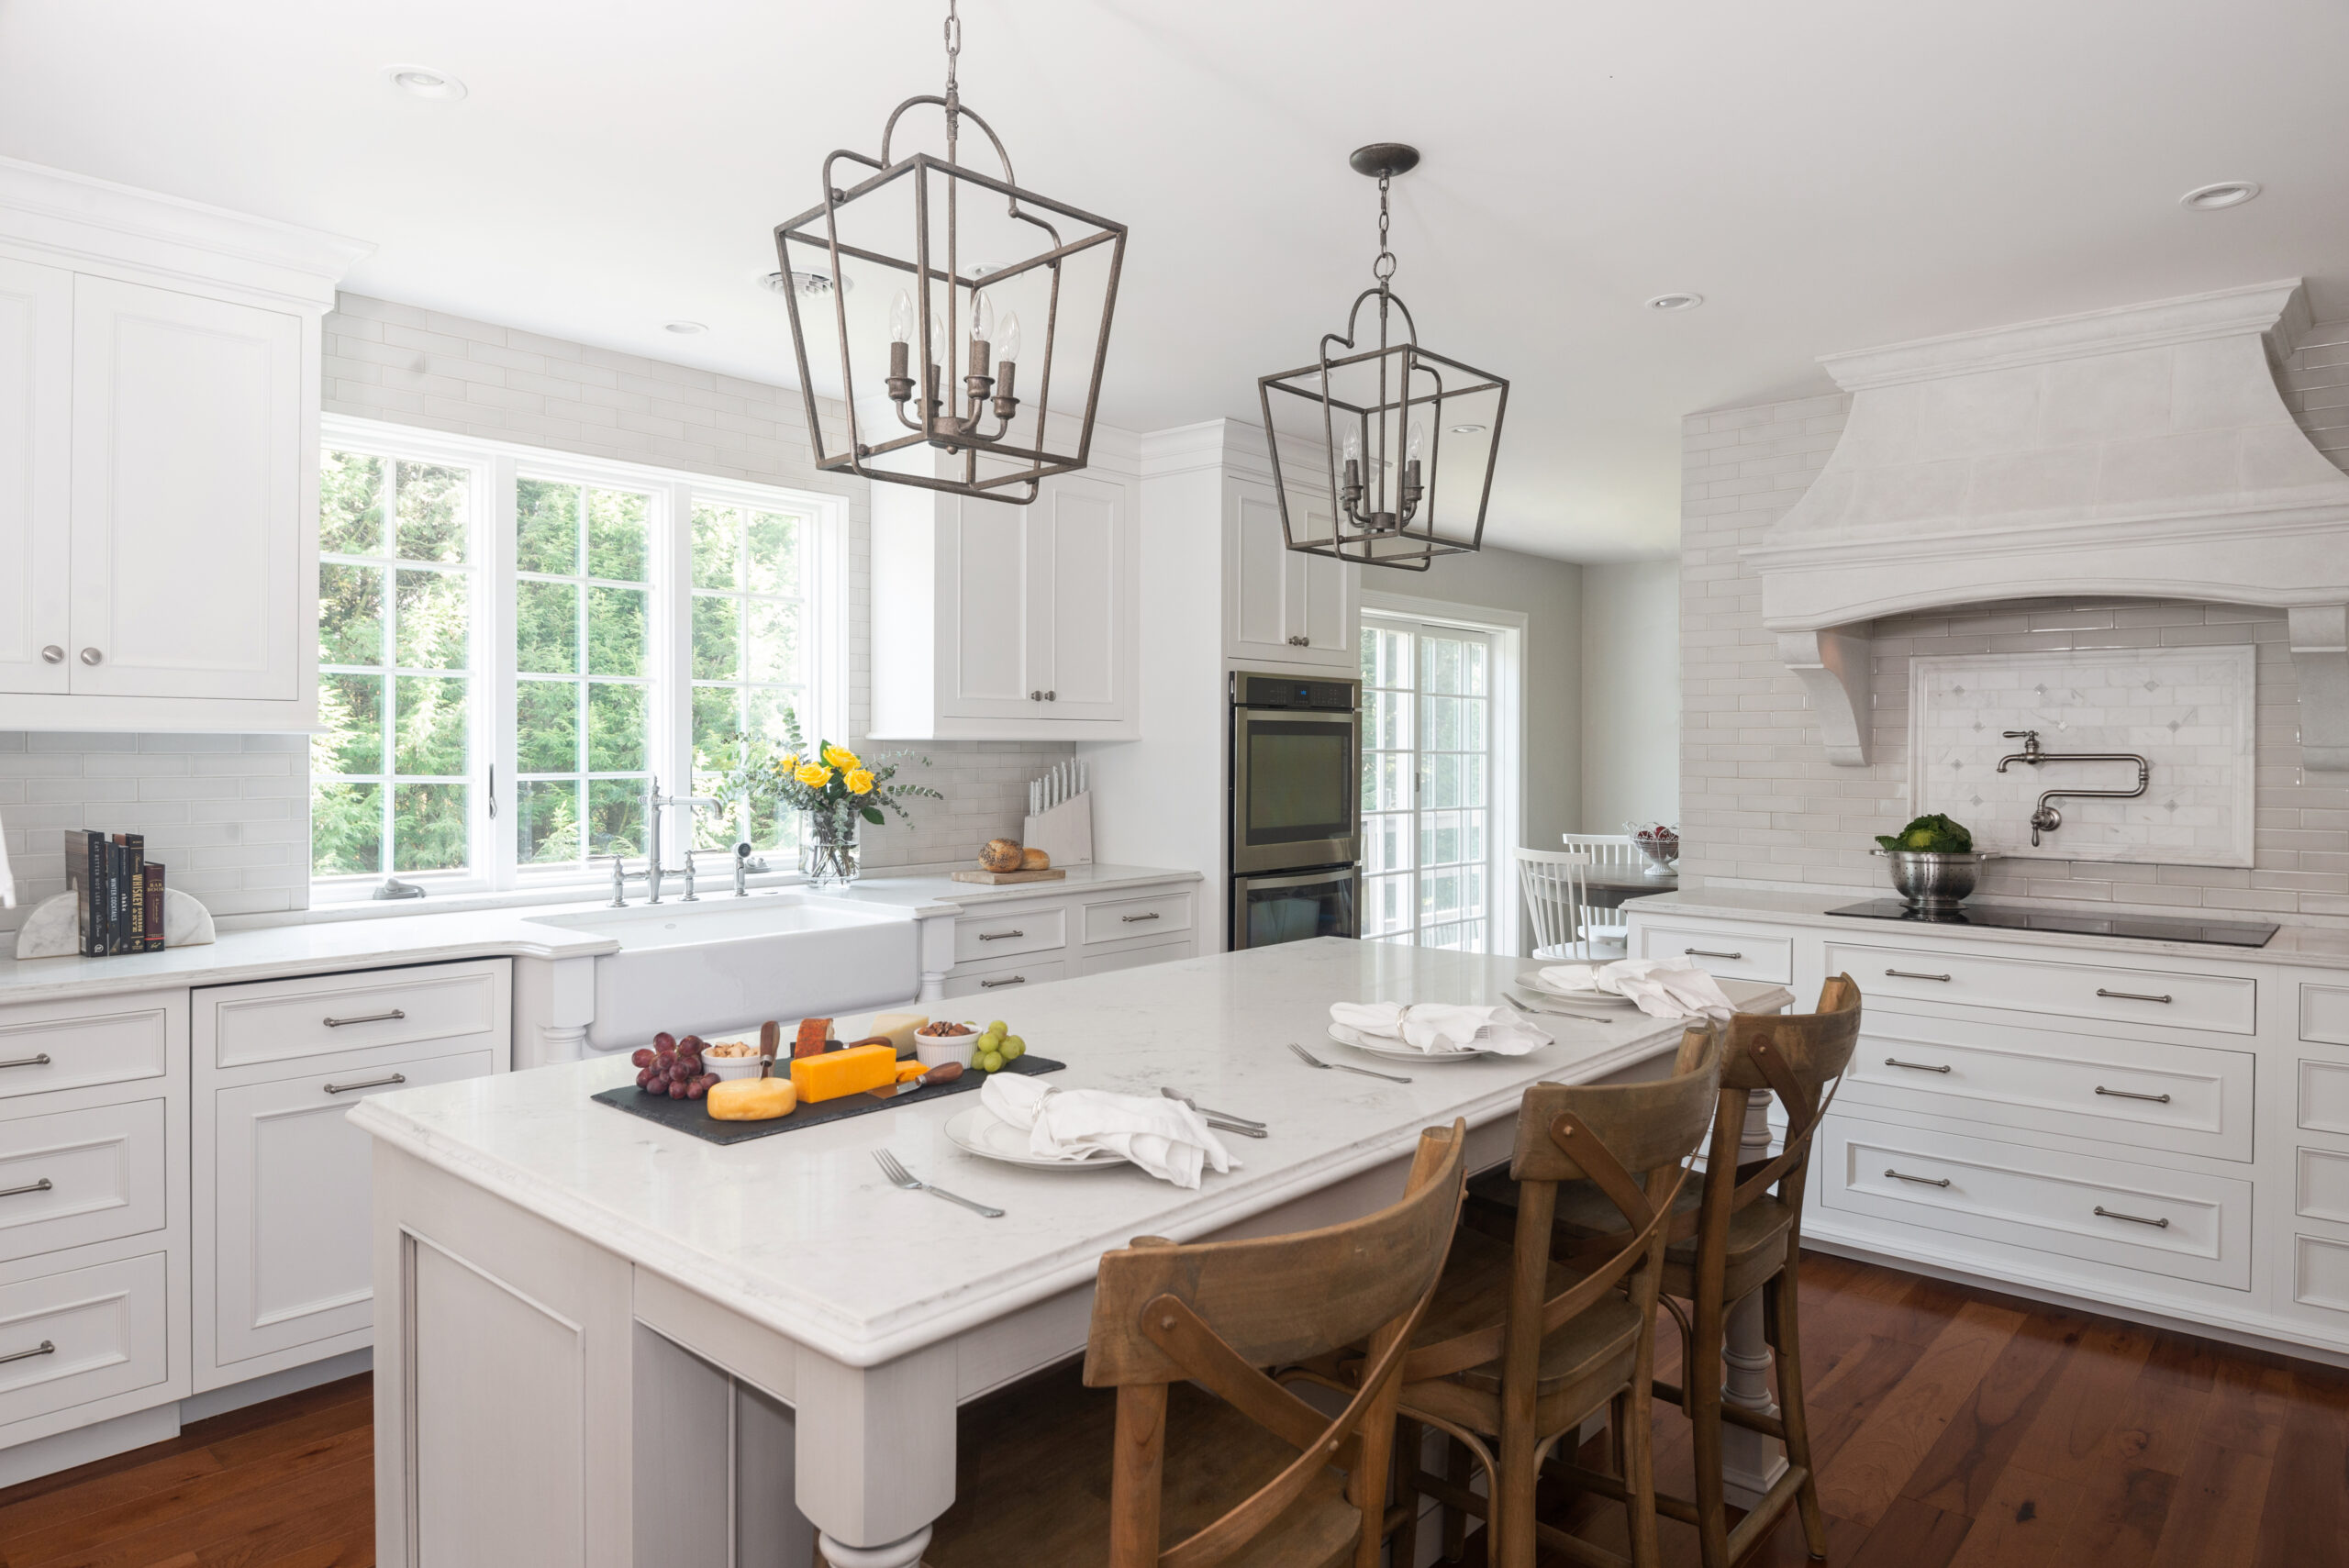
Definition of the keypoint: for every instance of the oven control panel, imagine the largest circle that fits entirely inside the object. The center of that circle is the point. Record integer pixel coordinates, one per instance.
(1287, 691)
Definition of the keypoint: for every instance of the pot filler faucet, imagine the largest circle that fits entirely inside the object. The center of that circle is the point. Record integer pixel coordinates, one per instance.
(2046, 818)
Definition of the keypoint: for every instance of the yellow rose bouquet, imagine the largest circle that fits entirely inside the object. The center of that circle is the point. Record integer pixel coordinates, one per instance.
(832, 788)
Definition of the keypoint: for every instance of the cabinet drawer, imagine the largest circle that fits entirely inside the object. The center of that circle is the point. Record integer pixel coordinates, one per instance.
(104, 1174)
(278, 1020)
(978, 938)
(1133, 957)
(125, 1042)
(2177, 1223)
(998, 978)
(1161, 914)
(282, 1257)
(92, 1333)
(1738, 955)
(2324, 1014)
(2220, 1003)
(2154, 1096)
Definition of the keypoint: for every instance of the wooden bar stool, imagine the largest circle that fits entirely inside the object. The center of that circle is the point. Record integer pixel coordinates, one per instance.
(1731, 1237)
(1252, 1477)
(1519, 1348)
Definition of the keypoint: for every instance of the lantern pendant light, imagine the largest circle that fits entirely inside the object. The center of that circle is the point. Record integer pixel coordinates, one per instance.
(1405, 436)
(946, 380)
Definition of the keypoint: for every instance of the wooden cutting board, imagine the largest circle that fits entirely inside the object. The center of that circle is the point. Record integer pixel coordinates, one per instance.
(996, 878)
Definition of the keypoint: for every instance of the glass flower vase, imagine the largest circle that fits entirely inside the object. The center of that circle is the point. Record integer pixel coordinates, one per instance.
(829, 847)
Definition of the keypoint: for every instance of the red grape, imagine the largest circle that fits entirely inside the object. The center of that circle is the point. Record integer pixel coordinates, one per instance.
(697, 1088)
(676, 1089)
(644, 1082)
(643, 1058)
(664, 1042)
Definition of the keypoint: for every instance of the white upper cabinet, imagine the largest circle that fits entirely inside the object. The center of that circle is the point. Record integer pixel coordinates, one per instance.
(188, 476)
(35, 355)
(159, 451)
(992, 621)
(1281, 607)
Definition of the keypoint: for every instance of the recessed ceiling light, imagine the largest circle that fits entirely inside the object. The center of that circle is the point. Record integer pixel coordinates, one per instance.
(1676, 302)
(1467, 429)
(424, 81)
(812, 285)
(2216, 198)
(685, 328)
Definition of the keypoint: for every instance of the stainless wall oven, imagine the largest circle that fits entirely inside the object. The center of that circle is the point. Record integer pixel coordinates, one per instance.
(1294, 807)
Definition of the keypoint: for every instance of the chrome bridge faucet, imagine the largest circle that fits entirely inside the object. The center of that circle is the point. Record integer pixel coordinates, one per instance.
(654, 869)
(2045, 817)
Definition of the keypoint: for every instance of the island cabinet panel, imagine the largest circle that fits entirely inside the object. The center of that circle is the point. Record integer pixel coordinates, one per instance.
(2133, 994)
(280, 1220)
(2324, 1014)
(1731, 953)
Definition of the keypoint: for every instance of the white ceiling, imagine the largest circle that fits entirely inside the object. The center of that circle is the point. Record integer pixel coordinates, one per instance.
(1829, 173)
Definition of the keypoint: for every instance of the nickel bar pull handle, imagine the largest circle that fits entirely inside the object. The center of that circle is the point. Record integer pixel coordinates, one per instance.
(41, 1186)
(1913, 974)
(366, 1018)
(370, 1083)
(1011, 980)
(2132, 1218)
(1921, 1180)
(1922, 1067)
(2129, 996)
(1708, 952)
(39, 1061)
(2133, 1095)
(45, 1347)
(998, 935)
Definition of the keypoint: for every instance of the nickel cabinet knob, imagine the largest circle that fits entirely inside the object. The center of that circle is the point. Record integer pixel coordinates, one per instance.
(1051, 697)
(1300, 642)
(1035, 697)
(52, 655)
(91, 656)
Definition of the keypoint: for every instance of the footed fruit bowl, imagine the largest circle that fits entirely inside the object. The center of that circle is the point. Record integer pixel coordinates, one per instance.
(1933, 878)
(1658, 844)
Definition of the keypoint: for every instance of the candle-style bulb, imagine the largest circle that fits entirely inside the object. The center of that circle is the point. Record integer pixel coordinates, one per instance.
(1353, 447)
(937, 333)
(1418, 439)
(1007, 341)
(981, 318)
(901, 318)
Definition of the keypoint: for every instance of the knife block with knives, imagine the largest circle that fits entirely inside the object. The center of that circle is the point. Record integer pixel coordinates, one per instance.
(1060, 815)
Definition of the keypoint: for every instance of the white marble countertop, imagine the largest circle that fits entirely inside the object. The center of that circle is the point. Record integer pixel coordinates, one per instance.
(2315, 947)
(800, 1232)
(323, 947)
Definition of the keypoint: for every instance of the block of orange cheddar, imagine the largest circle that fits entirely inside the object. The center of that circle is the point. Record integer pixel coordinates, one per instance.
(838, 1073)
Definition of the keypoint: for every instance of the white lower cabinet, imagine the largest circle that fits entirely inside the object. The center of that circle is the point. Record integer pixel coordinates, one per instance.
(999, 948)
(282, 1214)
(84, 1338)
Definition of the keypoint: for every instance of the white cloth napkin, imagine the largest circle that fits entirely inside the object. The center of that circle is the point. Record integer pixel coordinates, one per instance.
(1440, 1026)
(1163, 1137)
(1662, 989)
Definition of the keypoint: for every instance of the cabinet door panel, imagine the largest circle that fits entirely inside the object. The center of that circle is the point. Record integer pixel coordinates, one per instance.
(987, 574)
(287, 1260)
(1258, 590)
(187, 534)
(1328, 620)
(36, 415)
(1083, 558)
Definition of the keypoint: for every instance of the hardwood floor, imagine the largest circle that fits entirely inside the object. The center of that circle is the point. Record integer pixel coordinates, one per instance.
(1954, 1430)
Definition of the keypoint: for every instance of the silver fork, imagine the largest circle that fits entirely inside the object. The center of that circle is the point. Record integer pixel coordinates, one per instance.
(900, 1176)
(1312, 1061)
(1221, 1122)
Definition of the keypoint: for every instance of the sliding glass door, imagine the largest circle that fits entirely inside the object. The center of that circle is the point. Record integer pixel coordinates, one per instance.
(1427, 780)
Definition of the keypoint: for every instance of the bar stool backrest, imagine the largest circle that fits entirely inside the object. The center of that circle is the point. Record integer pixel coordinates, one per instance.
(1219, 1312)
(1794, 1056)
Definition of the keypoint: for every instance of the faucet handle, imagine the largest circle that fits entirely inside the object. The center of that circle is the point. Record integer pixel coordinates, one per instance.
(2019, 734)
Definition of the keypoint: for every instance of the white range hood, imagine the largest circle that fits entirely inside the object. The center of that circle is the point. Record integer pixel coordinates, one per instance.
(2139, 452)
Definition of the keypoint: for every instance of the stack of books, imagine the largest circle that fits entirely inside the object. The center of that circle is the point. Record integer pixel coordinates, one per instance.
(117, 893)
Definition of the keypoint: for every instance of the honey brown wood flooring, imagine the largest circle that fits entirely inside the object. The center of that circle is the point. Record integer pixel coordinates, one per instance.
(1954, 1428)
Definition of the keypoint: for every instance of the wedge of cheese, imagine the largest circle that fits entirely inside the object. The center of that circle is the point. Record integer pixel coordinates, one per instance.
(838, 1073)
(900, 1027)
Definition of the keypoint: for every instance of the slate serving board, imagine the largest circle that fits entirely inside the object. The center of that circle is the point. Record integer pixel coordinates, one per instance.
(691, 1117)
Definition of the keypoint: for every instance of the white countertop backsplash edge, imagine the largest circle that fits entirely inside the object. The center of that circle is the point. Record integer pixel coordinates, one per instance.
(2311, 946)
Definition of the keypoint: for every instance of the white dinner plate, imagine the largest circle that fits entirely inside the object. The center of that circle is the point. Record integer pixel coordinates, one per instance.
(1395, 1050)
(978, 1130)
(1531, 980)
(1552, 1005)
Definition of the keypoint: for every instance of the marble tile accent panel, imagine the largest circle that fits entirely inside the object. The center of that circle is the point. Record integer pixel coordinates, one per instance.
(2188, 711)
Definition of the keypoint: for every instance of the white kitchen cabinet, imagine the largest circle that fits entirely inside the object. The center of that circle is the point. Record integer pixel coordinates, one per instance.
(189, 479)
(1283, 606)
(282, 1270)
(35, 454)
(1072, 931)
(159, 430)
(999, 622)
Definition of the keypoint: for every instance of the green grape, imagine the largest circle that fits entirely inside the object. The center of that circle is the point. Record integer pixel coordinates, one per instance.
(991, 1061)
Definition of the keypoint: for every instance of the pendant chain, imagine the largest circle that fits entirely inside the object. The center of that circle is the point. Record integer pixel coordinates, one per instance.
(1384, 267)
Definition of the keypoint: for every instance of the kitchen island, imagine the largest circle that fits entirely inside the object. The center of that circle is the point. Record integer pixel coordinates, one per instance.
(602, 1341)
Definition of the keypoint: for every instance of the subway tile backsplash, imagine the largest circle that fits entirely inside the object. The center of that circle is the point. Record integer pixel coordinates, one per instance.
(229, 816)
(1762, 806)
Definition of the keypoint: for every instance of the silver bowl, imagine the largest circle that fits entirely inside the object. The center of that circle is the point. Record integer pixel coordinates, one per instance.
(1930, 880)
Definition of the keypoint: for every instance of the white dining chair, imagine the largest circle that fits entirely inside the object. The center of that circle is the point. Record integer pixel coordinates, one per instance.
(1554, 898)
(1602, 926)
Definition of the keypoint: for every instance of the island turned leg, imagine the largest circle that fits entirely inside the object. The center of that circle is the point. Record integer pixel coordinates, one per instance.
(1751, 1463)
(874, 1455)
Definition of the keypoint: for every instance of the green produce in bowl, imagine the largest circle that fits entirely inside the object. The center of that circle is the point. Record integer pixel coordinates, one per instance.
(1933, 835)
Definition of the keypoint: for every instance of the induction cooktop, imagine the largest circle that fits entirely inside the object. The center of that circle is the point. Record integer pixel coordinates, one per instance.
(2017, 917)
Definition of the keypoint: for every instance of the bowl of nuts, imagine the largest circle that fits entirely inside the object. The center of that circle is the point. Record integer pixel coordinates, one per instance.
(732, 1058)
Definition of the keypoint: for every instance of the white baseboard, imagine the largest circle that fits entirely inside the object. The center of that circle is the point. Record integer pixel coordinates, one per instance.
(102, 1439)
